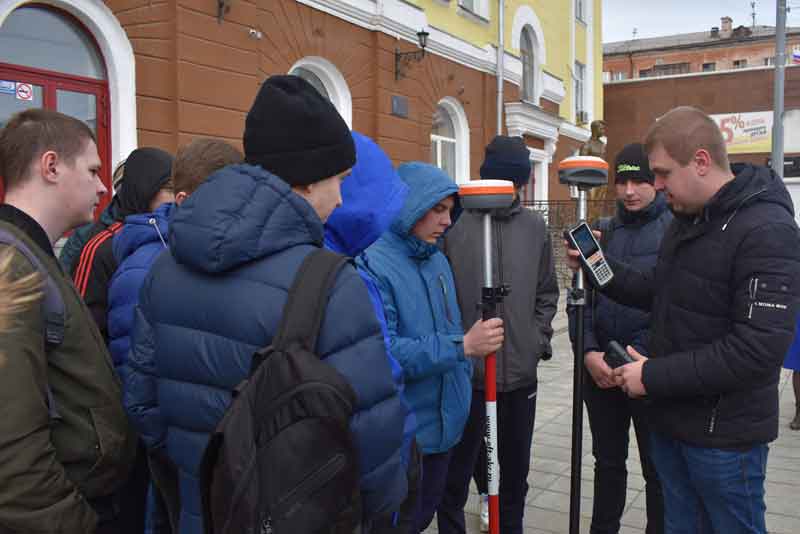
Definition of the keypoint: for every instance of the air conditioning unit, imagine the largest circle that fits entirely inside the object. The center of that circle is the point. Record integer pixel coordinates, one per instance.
(582, 117)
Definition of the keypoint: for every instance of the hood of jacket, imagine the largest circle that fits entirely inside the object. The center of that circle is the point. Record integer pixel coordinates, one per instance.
(141, 229)
(372, 196)
(239, 214)
(427, 186)
(147, 169)
(751, 183)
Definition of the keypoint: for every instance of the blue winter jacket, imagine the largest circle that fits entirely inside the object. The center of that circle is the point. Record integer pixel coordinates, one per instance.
(136, 247)
(633, 238)
(422, 314)
(205, 308)
(372, 197)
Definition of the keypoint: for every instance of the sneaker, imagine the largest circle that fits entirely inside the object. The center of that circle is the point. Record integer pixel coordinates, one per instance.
(484, 513)
(795, 424)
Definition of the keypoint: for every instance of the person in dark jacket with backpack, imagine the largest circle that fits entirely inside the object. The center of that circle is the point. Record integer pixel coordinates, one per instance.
(524, 259)
(632, 236)
(235, 247)
(424, 323)
(723, 298)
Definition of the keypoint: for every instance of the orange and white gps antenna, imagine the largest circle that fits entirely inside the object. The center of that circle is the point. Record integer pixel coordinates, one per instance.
(581, 173)
(485, 196)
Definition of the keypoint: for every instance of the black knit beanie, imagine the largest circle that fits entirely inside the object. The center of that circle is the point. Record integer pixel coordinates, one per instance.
(632, 164)
(507, 158)
(295, 133)
(146, 171)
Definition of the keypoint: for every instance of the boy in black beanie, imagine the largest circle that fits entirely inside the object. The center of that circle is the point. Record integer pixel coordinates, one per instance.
(235, 247)
(524, 256)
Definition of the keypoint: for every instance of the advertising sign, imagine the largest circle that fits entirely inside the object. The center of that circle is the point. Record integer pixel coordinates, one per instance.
(746, 133)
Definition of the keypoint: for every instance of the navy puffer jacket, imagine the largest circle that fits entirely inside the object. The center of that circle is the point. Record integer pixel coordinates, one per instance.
(235, 246)
(632, 238)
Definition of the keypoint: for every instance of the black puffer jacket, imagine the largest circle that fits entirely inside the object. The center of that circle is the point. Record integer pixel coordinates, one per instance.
(633, 238)
(724, 298)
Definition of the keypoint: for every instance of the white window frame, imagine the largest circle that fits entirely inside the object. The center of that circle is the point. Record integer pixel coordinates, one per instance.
(579, 88)
(525, 18)
(580, 10)
(531, 77)
(458, 117)
(334, 82)
(479, 7)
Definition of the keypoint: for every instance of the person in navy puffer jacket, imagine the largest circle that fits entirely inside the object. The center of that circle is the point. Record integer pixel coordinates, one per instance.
(424, 323)
(217, 297)
(136, 247)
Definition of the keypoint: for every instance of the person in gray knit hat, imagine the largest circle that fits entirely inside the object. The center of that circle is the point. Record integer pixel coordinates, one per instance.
(524, 258)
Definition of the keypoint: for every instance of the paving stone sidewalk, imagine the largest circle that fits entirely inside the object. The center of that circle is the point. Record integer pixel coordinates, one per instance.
(547, 510)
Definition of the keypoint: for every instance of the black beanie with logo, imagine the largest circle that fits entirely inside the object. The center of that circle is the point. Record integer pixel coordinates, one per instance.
(295, 133)
(632, 164)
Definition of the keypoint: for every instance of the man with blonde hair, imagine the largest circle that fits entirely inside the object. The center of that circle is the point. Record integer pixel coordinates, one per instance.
(723, 297)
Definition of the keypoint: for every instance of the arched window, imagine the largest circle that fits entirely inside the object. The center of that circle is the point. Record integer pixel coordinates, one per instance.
(443, 142)
(527, 51)
(450, 140)
(330, 83)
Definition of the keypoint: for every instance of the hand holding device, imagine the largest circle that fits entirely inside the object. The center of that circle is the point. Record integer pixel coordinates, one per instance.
(591, 255)
(616, 355)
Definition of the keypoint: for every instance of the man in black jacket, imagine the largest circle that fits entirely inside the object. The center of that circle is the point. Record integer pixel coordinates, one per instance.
(723, 296)
(523, 258)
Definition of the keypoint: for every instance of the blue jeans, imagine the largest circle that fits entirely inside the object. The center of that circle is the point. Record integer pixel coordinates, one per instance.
(710, 490)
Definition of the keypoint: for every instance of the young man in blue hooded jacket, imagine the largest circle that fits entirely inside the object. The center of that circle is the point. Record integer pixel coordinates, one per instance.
(217, 297)
(424, 323)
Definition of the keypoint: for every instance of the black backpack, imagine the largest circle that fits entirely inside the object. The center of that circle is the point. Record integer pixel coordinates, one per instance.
(282, 460)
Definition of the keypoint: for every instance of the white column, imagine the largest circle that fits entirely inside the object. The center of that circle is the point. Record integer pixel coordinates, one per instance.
(588, 84)
(571, 69)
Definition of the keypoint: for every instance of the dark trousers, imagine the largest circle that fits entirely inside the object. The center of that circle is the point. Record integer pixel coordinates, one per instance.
(434, 478)
(479, 471)
(610, 414)
(402, 521)
(516, 412)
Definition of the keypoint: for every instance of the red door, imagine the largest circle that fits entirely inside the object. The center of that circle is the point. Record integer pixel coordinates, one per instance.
(83, 98)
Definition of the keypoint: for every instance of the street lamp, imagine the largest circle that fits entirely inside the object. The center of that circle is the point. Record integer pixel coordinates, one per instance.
(403, 59)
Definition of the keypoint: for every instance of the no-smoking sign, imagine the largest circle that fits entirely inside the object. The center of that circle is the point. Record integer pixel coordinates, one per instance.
(24, 91)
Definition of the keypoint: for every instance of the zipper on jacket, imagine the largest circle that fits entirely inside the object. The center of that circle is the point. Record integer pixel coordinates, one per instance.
(446, 304)
(752, 289)
(712, 423)
(152, 221)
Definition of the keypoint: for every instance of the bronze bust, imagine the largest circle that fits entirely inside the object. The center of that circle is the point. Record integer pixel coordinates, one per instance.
(595, 146)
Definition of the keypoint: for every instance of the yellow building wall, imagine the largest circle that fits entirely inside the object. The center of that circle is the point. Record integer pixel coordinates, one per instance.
(556, 19)
(598, 59)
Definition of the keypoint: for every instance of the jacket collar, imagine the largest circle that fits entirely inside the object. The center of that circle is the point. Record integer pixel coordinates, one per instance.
(28, 225)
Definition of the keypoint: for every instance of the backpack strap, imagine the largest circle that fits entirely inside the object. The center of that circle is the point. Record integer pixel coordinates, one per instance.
(53, 302)
(306, 303)
(52, 305)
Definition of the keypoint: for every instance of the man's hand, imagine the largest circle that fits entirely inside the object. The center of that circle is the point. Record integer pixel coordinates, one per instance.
(602, 374)
(484, 338)
(629, 376)
(573, 256)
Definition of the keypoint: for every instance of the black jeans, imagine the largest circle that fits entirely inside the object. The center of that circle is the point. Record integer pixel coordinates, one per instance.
(610, 415)
(516, 412)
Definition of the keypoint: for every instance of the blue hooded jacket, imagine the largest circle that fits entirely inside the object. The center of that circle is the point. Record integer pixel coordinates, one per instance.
(422, 314)
(372, 197)
(205, 308)
(136, 247)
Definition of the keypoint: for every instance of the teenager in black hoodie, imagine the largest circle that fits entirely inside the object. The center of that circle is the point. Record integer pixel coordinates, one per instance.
(146, 171)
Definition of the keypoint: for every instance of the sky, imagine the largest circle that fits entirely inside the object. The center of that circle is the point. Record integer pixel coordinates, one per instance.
(656, 18)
